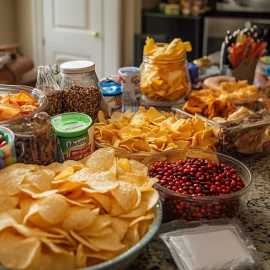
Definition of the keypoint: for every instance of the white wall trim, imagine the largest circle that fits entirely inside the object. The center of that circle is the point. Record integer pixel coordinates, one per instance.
(37, 32)
(112, 45)
(111, 35)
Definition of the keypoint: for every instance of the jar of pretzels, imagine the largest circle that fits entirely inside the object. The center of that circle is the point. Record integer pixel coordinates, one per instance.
(80, 88)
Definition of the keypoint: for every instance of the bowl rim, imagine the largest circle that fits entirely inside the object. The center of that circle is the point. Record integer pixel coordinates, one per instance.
(238, 193)
(141, 244)
(29, 90)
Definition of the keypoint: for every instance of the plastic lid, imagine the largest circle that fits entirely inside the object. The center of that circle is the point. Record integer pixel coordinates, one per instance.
(71, 124)
(129, 70)
(111, 88)
(77, 67)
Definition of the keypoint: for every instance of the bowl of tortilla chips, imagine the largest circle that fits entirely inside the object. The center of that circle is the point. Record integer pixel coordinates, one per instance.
(19, 101)
(149, 130)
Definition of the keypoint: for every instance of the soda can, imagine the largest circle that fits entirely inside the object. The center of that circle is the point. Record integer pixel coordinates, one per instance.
(129, 78)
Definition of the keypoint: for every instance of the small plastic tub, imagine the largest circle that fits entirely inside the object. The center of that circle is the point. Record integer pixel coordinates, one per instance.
(179, 206)
(7, 148)
(75, 135)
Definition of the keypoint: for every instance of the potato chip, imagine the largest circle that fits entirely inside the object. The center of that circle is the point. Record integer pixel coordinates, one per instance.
(110, 242)
(7, 202)
(52, 209)
(103, 181)
(103, 200)
(126, 195)
(65, 173)
(101, 222)
(137, 220)
(151, 198)
(13, 249)
(84, 241)
(41, 179)
(80, 257)
(79, 218)
(119, 226)
(124, 164)
(136, 212)
(101, 160)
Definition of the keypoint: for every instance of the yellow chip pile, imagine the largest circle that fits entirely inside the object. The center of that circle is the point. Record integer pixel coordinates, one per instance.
(151, 131)
(73, 215)
(164, 74)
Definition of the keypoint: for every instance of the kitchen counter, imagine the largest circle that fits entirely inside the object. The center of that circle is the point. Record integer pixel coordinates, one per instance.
(255, 218)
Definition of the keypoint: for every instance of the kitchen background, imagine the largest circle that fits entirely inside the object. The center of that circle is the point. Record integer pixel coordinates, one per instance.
(112, 32)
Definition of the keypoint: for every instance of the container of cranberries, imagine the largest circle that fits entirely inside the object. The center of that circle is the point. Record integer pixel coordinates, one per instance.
(7, 148)
(197, 184)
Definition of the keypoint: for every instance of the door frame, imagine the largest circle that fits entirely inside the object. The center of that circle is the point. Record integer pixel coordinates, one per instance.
(111, 45)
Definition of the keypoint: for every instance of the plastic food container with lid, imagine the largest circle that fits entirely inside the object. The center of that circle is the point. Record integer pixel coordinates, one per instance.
(190, 207)
(75, 135)
(7, 148)
(112, 96)
(80, 88)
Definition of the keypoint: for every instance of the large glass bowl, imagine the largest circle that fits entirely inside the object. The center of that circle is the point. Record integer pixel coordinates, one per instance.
(178, 206)
(34, 144)
(15, 89)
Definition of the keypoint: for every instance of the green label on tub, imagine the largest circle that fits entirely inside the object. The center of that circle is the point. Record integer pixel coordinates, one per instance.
(76, 148)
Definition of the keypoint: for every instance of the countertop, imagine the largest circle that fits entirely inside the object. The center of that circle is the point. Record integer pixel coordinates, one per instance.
(255, 218)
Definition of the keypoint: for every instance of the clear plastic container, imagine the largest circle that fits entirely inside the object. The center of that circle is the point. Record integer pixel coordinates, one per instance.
(80, 88)
(245, 137)
(47, 84)
(34, 141)
(188, 207)
(7, 152)
(164, 79)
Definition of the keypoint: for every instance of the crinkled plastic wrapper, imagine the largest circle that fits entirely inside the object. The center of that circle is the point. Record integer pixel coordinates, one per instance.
(209, 245)
(246, 136)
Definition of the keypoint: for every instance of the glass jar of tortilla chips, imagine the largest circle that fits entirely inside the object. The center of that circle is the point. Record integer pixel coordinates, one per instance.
(165, 79)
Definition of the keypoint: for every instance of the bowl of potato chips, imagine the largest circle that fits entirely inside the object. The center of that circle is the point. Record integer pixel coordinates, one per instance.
(98, 213)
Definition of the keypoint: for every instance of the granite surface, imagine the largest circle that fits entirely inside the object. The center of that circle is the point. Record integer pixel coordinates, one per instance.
(255, 218)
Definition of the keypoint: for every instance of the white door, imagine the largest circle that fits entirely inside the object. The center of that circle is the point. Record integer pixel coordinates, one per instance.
(75, 30)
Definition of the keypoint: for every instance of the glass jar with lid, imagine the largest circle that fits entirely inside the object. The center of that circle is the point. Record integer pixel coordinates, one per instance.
(80, 88)
(164, 80)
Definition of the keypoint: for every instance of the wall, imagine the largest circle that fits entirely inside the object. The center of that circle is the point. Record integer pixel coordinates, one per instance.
(16, 24)
(131, 25)
(132, 10)
(24, 26)
(8, 33)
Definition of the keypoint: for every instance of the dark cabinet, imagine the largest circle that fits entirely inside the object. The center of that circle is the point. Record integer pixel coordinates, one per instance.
(164, 28)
